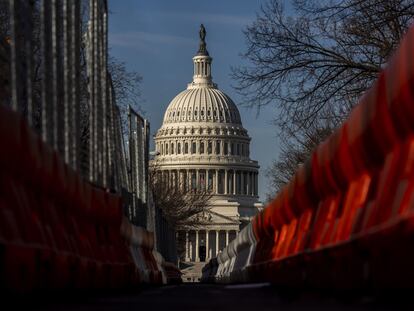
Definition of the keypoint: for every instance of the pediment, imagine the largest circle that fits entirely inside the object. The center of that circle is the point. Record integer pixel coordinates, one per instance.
(211, 217)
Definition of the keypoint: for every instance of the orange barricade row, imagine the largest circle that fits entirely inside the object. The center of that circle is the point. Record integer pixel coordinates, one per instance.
(56, 230)
(346, 218)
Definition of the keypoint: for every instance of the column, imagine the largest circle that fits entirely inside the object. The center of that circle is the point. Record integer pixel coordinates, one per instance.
(234, 181)
(241, 182)
(197, 259)
(217, 188)
(227, 237)
(225, 182)
(187, 176)
(197, 179)
(187, 257)
(248, 183)
(252, 184)
(207, 246)
(217, 242)
(257, 184)
(207, 179)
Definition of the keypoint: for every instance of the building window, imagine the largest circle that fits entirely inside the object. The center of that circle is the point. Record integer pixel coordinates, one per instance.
(194, 147)
(201, 147)
(226, 148)
(162, 148)
(172, 148)
(210, 147)
(186, 148)
(166, 148)
(218, 147)
(242, 149)
(178, 148)
(232, 149)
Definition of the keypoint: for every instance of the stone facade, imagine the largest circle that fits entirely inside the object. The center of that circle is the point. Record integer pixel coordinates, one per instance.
(202, 145)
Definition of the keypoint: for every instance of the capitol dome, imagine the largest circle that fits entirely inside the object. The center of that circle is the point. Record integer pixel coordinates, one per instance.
(202, 145)
(202, 104)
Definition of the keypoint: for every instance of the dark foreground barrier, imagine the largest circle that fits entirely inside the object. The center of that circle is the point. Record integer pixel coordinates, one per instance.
(59, 231)
(346, 219)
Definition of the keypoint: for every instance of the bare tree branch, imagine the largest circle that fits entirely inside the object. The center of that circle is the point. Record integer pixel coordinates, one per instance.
(314, 65)
(182, 207)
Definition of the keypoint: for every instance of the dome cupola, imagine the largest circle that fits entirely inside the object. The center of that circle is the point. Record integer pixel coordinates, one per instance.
(202, 101)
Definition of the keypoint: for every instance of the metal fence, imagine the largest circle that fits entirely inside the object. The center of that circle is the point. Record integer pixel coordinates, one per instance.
(53, 65)
(138, 159)
(53, 61)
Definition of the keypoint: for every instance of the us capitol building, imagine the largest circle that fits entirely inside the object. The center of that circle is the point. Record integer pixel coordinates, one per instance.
(202, 145)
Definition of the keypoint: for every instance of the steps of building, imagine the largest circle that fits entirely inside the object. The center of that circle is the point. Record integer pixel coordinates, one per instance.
(192, 271)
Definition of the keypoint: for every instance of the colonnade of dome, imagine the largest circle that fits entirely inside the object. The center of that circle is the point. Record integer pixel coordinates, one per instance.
(226, 181)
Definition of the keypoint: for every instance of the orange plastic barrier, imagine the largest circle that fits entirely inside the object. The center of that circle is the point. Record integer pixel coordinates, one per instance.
(56, 230)
(346, 218)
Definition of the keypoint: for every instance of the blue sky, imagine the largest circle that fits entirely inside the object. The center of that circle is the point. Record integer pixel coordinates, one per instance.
(158, 38)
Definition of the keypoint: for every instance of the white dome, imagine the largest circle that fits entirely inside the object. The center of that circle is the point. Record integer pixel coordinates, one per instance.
(203, 146)
(202, 104)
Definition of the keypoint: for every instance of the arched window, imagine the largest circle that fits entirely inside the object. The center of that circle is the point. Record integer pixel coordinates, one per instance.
(172, 148)
(209, 147)
(242, 149)
(186, 148)
(232, 149)
(201, 147)
(238, 149)
(218, 147)
(166, 148)
(178, 148)
(194, 147)
(162, 148)
(226, 148)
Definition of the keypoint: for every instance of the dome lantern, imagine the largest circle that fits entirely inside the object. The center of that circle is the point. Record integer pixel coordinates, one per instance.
(202, 64)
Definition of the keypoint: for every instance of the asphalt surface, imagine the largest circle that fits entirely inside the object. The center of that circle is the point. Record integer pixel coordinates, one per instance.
(214, 297)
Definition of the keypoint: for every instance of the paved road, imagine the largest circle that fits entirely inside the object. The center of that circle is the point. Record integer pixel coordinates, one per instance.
(210, 297)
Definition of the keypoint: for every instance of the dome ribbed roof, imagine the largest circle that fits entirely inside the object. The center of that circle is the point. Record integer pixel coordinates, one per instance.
(202, 104)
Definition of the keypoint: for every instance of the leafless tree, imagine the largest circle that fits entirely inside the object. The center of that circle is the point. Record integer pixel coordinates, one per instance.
(316, 59)
(182, 208)
(291, 156)
(321, 59)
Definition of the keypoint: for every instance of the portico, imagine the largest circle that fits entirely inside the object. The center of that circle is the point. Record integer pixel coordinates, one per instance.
(203, 244)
